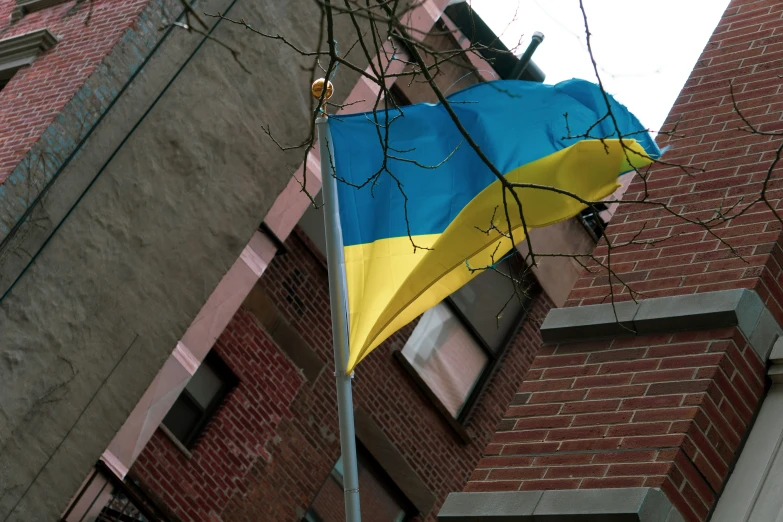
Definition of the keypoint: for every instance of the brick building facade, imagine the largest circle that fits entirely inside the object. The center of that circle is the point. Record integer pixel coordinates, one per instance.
(268, 451)
(265, 446)
(271, 446)
(225, 410)
(648, 418)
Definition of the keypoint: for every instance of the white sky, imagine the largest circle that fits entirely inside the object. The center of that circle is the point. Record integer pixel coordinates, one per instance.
(645, 49)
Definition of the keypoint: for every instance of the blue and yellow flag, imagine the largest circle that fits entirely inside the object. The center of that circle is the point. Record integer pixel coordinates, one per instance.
(432, 190)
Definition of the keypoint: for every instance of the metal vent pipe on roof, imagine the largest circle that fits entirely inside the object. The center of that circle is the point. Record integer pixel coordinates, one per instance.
(524, 60)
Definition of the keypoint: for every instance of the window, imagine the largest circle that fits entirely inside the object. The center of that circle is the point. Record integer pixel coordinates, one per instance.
(592, 220)
(752, 491)
(199, 400)
(454, 346)
(381, 500)
(446, 357)
(104, 497)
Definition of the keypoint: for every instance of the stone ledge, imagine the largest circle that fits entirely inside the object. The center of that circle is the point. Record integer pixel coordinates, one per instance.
(596, 321)
(21, 50)
(705, 311)
(579, 505)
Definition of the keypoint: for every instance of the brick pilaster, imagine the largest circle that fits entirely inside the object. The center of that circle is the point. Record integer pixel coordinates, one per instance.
(665, 411)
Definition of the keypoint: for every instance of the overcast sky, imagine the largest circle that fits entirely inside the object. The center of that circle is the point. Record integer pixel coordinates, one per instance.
(645, 49)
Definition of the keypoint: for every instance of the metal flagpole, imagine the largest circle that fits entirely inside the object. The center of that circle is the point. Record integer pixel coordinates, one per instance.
(338, 298)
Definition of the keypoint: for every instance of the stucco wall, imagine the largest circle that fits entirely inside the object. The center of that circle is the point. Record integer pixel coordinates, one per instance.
(147, 217)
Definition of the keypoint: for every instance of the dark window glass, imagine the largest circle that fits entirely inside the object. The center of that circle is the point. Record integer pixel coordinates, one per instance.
(593, 221)
(183, 416)
(199, 400)
(381, 500)
(6, 75)
(398, 96)
(4, 80)
(490, 305)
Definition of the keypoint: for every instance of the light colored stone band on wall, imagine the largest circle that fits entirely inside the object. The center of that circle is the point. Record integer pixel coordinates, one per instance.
(186, 358)
(253, 261)
(578, 505)
(706, 311)
(114, 464)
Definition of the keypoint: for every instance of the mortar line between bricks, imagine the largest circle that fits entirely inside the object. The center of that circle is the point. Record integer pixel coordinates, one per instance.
(593, 452)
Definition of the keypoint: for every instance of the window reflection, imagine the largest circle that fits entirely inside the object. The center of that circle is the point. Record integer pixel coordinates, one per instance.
(446, 357)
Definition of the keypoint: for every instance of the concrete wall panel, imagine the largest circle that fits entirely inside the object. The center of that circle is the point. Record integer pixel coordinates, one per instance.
(89, 323)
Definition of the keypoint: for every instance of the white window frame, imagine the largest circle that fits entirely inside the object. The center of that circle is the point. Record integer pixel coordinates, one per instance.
(751, 493)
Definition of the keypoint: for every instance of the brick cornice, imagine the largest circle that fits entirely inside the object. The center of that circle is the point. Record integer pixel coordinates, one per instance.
(21, 50)
(705, 311)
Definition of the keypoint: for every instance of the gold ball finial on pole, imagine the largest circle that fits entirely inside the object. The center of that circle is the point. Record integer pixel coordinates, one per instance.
(318, 88)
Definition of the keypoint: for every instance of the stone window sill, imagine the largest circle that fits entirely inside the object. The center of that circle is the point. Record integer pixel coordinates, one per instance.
(177, 444)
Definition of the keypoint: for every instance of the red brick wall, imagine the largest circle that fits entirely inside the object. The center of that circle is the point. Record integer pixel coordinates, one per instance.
(747, 47)
(668, 411)
(275, 439)
(238, 434)
(664, 411)
(37, 93)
